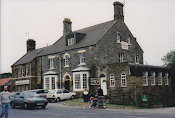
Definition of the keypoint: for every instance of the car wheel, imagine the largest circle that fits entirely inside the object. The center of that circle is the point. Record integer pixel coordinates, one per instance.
(57, 100)
(43, 107)
(13, 105)
(72, 97)
(26, 106)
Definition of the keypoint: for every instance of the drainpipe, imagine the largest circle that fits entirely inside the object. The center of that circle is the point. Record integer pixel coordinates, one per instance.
(30, 76)
(60, 70)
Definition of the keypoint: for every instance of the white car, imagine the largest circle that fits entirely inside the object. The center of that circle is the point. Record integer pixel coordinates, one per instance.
(59, 94)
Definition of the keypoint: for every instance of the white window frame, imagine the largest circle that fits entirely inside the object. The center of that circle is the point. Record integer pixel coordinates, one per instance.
(153, 81)
(123, 80)
(121, 55)
(129, 40)
(137, 59)
(112, 80)
(71, 41)
(50, 83)
(23, 73)
(82, 58)
(66, 61)
(160, 78)
(118, 37)
(145, 78)
(27, 71)
(81, 81)
(19, 72)
(166, 79)
(51, 63)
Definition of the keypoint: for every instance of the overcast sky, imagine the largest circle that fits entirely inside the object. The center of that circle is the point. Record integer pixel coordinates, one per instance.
(152, 22)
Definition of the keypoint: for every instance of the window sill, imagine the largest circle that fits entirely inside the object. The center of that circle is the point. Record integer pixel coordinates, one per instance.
(82, 64)
(123, 86)
(67, 66)
(51, 68)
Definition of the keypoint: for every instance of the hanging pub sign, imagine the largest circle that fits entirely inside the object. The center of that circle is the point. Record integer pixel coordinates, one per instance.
(95, 81)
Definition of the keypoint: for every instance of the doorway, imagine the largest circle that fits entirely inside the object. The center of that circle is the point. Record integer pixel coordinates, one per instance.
(103, 84)
(67, 83)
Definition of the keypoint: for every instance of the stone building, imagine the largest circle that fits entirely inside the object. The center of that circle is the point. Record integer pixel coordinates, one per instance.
(80, 59)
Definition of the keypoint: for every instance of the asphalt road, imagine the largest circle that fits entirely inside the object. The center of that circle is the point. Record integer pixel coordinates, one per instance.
(57, 110)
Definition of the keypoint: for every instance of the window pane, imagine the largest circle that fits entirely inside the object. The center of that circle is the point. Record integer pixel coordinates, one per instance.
(53, 82)
(77, 81)
(84, 81)
(47, 83)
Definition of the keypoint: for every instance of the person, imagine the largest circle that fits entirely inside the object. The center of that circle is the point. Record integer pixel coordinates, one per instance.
(101, 98)
(86, 98)
(94, 100)
(5, 102)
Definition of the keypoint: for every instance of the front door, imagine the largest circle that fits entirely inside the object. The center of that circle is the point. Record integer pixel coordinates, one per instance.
(103, 85)
(67, 84)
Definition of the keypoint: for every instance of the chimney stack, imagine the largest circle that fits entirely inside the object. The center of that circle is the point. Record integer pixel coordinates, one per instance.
(67, 28)
(118, 11)
(30, 45)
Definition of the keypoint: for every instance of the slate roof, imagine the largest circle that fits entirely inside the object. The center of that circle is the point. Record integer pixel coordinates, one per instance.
(138, 69)
(93, 35)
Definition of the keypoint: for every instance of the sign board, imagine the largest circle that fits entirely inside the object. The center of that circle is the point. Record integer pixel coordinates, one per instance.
(124, 45)
(95, 81)
(22, 82)
(144, 98)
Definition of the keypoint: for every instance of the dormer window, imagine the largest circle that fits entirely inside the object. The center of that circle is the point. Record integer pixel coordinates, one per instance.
(71, 41)
(118, 37)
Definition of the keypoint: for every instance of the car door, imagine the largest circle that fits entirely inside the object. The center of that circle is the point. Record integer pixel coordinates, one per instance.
(21, 99)
(66, 94)
(16, 98)
(60, 94)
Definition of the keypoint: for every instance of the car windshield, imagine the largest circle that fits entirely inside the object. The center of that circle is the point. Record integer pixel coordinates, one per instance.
(30, 94)
(51, 91)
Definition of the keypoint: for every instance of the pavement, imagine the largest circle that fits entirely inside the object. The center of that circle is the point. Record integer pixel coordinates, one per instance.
(58, 110)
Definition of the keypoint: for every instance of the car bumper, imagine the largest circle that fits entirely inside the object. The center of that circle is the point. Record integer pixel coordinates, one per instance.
(37, 104)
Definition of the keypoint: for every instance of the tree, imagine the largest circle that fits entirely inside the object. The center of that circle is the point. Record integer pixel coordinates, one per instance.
(169, 60)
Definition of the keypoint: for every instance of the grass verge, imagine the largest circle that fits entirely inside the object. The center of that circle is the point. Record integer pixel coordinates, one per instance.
(79, 102)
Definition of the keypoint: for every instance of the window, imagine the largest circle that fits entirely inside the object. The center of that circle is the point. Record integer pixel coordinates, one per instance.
(47, 83)
(120, 57)
(67, 60)
(80, 81)
(129, 40)
(145, 78)
(153, 78)
(19, 72)
(27, 71)
(23, 74)
(27, 87)
(166, 79)
(137, 59)
(84, 81)
(77, 81)
(118, 37)
(82, 58)
(112, 81)
(123, 80)
(160, 78)
(51, 63)
(53, 82)
(71, 41)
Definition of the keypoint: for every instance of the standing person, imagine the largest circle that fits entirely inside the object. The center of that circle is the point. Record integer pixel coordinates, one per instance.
(101, 98)
(5, 102)
(86, 98)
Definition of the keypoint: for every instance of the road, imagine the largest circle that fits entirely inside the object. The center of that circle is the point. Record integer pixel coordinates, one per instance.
(57, 110)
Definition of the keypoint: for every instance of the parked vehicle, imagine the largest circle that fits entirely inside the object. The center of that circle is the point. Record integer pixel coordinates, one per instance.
(59, 94)
(41, 92)
(12, 95)
(28, 100)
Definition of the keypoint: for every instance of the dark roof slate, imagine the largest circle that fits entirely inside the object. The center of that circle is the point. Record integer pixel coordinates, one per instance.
(93, 35)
